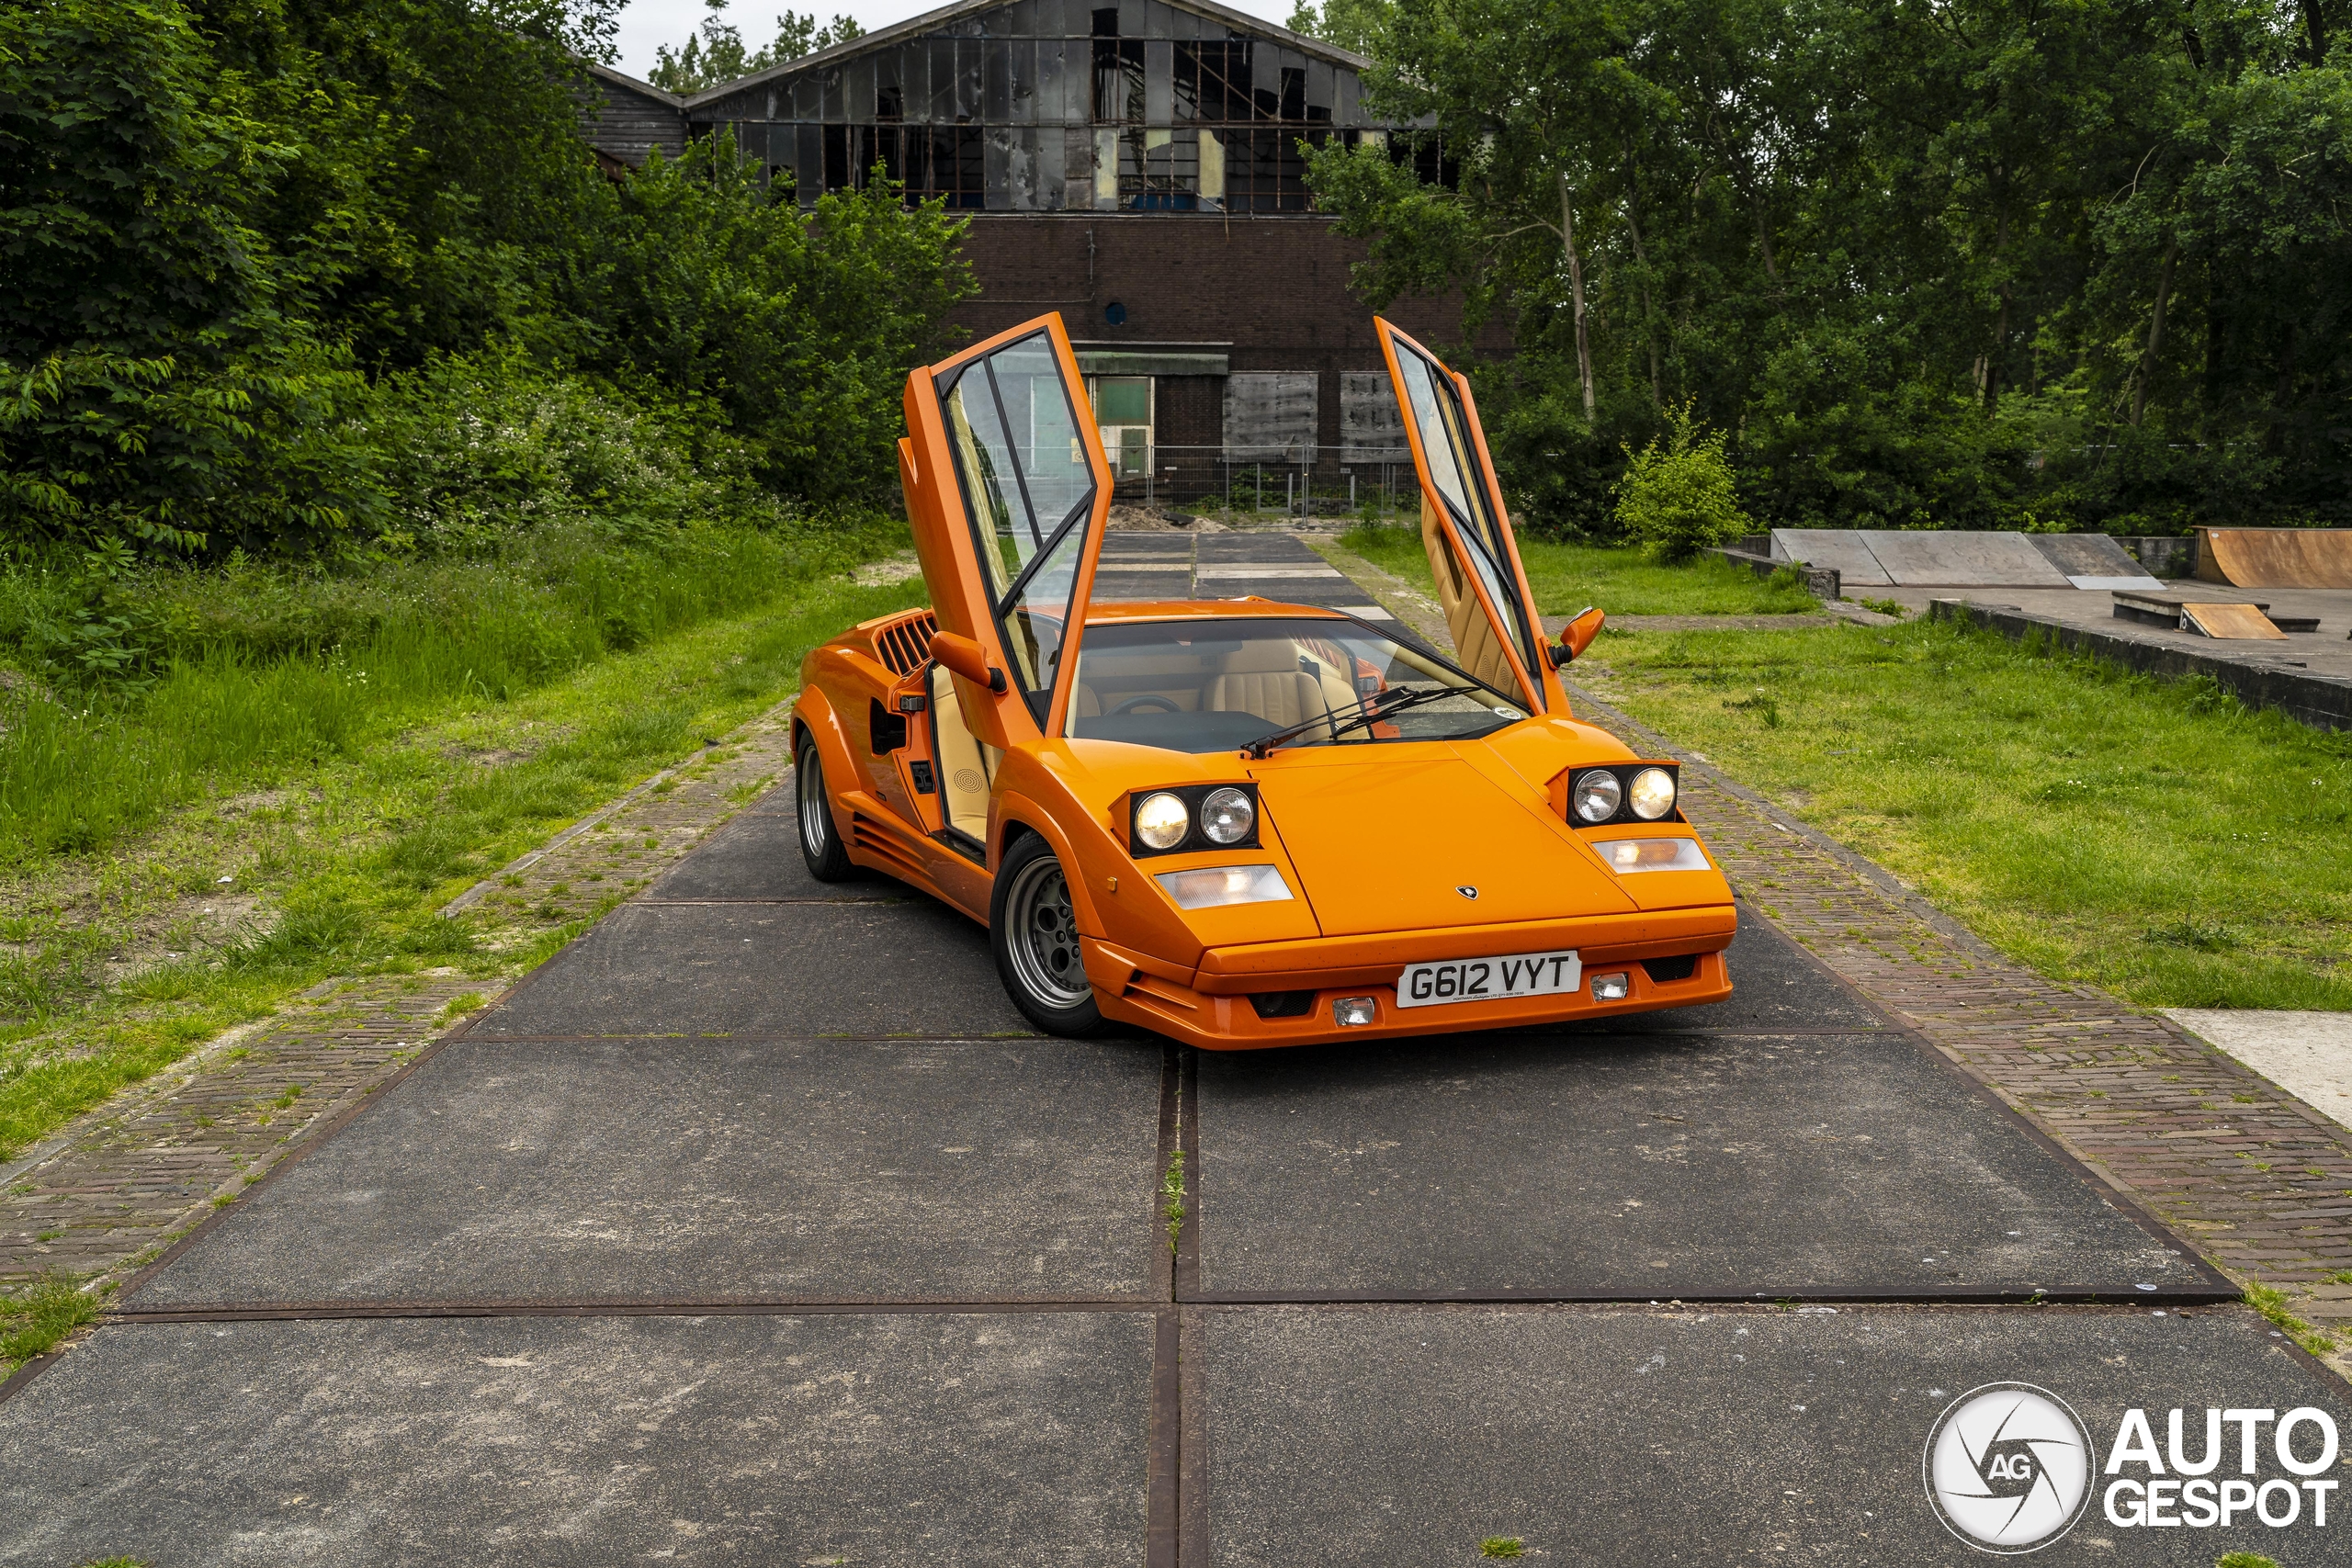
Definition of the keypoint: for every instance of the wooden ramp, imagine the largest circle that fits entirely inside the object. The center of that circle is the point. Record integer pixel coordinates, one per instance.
(2244, 622)
(2276, 558)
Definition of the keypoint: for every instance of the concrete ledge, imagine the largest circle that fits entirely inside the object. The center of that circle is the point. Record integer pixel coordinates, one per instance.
(2324, 701)
(1821, 581)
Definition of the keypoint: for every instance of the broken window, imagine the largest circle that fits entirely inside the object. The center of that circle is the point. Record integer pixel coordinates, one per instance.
(1041, 105)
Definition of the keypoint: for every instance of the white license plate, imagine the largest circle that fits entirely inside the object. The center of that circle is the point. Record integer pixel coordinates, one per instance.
(1488, 980)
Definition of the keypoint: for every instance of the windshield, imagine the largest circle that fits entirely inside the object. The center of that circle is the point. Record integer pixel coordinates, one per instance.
(1216, 685)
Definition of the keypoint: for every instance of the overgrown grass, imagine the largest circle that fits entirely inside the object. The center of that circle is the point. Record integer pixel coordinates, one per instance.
(354, 846)
(1620, 579)
(260, 672)
(2153, 837)
(35, 1318)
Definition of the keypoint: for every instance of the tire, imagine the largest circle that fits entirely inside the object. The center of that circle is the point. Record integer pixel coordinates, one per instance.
(1035, 938)
(821, 842)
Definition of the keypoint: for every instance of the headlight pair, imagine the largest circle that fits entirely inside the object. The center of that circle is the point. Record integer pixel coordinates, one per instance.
(1193, 816)
(1641, 792)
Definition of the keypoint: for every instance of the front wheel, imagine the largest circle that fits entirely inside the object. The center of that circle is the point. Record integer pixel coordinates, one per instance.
(1034, 932)
(820, 844)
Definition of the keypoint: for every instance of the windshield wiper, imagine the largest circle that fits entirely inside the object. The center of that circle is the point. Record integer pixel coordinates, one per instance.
(1369, 711)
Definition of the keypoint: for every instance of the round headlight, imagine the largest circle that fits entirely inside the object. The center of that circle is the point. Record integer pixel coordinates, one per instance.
(1598, 794)
(1653, 794)
(1226, 816)
(1161, 821)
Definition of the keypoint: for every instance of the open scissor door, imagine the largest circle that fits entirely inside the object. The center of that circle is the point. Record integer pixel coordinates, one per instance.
(1008, 490)
(1498, 635)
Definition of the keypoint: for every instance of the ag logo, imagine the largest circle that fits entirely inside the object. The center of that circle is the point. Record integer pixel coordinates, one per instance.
(2008, 1467)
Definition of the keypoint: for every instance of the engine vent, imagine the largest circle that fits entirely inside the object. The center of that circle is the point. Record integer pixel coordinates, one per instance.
(903, 645)
(1283, 1004)
(1680, 967)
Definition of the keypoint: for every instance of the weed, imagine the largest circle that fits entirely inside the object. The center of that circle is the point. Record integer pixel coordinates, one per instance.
(1893, 607)
(2243, 1560)
(1762, 704)
(1172, 1192)
(2341, 1277)
(115, 1563)
(1502, 1546)
(2272, 1304)
(2188, 930)
(458, 1006)
(33, 1320)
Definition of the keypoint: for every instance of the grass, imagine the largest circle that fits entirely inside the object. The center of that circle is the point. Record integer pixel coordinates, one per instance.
(1621, 580)
(2272, 1304)
(1502, 1546)
(35, 1317)
(2151, 838)
(1172, 1190)
(346, 854)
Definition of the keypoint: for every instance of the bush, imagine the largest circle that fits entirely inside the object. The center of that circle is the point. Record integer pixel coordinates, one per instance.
(1679, 500)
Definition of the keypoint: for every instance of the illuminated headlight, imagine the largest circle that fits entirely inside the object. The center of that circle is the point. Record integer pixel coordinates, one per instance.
(1653, 794)
(1226, 817)
(1651, 854)
(1161, 821)
(1597, 795)
(1209, 887)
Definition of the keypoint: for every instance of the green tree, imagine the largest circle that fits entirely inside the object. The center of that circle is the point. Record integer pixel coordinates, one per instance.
(715, 54)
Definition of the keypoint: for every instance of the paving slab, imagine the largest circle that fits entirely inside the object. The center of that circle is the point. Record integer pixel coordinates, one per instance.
(1957, 559)
(668, 1170)
(1690, 1167)
(776, 969)
(1843, 548)
(898, 1440)
(1388, 1435)
(756, 858)
(2309, 1055)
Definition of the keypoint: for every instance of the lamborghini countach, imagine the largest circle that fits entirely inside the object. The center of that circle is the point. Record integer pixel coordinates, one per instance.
(1241, 823)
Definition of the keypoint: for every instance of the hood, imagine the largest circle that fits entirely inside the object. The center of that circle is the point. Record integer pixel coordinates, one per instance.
(1385, 845)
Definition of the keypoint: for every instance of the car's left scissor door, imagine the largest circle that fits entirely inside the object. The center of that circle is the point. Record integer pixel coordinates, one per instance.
(1488, 606)
(1008, 491)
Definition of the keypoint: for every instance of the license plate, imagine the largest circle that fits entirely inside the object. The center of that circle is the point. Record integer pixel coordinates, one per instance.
(1488, 980)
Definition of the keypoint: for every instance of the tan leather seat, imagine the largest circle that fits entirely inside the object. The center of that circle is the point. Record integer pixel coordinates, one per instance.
(1266, 680)
(964, 766)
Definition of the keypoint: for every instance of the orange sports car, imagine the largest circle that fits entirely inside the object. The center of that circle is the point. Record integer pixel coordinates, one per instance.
(1236, 822)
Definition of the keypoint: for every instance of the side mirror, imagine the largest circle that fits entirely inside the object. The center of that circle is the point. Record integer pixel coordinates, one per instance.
(964, 656)
(1578, 635)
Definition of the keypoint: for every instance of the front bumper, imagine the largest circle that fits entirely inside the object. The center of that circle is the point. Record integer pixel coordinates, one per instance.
(1211, 1007)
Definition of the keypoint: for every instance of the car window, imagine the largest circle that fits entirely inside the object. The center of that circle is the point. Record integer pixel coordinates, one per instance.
(1218, 685)
(1444, 428)
(1029, 488)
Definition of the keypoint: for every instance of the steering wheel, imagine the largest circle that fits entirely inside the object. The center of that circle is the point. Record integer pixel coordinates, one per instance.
(1136, 705)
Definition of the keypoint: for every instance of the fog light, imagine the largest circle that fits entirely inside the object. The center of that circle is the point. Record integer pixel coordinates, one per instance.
(1355, 1013)
(1611, 988)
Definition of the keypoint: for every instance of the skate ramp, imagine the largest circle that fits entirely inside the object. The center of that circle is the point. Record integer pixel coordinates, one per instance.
(2092, 561)
(1959, 558)
(1841, 548)
(2276, 558)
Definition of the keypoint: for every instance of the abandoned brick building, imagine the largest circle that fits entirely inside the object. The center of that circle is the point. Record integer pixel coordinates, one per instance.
(1132, 166)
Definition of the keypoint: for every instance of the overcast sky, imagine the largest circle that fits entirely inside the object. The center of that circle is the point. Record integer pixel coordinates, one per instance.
(647, 23)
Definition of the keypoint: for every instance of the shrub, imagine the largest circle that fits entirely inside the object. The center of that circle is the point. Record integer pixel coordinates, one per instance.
(1681, 499)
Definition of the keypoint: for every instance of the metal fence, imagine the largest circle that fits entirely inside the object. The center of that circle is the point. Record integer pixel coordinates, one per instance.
(1298, 479)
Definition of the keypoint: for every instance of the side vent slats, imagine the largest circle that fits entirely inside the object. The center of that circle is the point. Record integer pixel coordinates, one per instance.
(902, 645)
